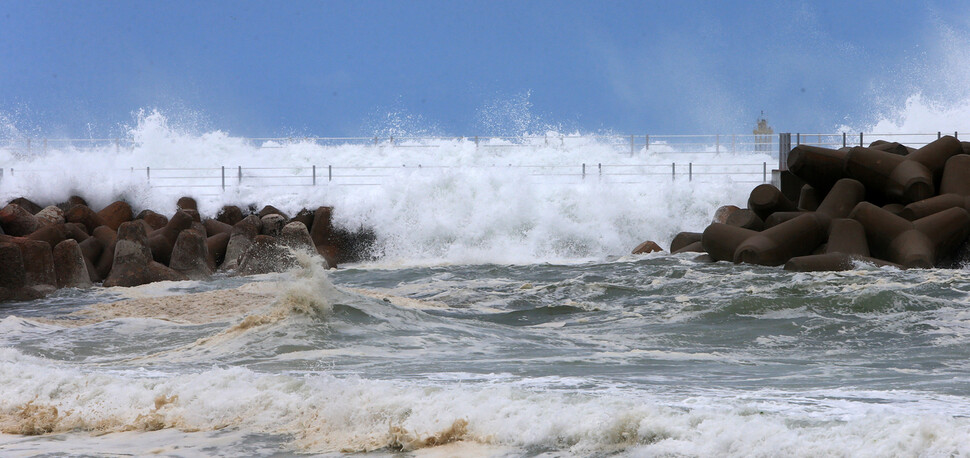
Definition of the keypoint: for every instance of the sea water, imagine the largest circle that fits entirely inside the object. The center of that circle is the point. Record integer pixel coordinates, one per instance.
(502, 316)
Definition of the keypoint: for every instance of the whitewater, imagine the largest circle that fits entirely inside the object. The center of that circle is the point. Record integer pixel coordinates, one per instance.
(501, 313)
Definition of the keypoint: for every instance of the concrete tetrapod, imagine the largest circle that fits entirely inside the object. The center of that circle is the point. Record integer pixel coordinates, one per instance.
(766, 199)
(775, 246)
(818, 167)
(747, 219)
(846, 246)
(919, 244)
(809, 198)
(683, 239)
(954, 191)
(133, 264)
(720, 241)
(897, 178)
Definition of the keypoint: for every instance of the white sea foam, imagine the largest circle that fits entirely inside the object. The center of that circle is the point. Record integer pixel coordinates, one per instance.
(322, 413)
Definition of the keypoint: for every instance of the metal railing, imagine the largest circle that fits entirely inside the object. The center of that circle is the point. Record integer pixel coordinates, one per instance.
(222, 179)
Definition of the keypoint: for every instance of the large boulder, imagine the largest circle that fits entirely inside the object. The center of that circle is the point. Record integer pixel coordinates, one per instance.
(305, 216)
(187, 203)
(51, 215)
(115, 214)
(133, 264)
(17, 221)
(155, 220)
(69, 266)
(162, 241)
(13, 273)
(52, 234)
(241, 238)
(84, 215)
(26, 204)
(229, 214)
(266, 255)
(216, 246)
(272, 225)
(322, 229)
(107, 237)
(271, 210)
(190, 255)
(38, 263)
(296, 236)
(648, 246)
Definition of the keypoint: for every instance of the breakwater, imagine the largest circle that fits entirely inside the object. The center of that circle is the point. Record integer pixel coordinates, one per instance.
(71, 245)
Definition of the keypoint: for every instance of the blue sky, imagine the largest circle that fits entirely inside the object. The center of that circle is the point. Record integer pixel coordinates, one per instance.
(339, 68)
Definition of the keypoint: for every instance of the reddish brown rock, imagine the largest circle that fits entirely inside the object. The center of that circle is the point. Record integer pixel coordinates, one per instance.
(84, 215)
(163, 240)
(724, 212)
(241, 238)
(190, 255)
(26, 204)
(107, 237)
(115, 214)
(329, 253)
(272, 225)
(296, 236)
(648, 246)
(187, 203)
(13, 274)
(213, 227)
(304, 216)
(17, 221)
(38, 263)
(51, 215)
(155, 220)
(216, 246)
(265, 255)
(230, 214)
(271, 210)
(52, 234)
(322, 229)
(133, 264)
(69, 266)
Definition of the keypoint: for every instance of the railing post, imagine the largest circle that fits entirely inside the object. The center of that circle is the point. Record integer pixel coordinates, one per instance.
(784, 147)
(717, 144)
(599, 167)
(939, 135)
(956, 135)
(584, 170)
(238, 174)
(631, 146)
(223, 178)
(476, 142)
(843, 139)
(798, 138)
(646, 139)
(764, 172)
(673, 171)
(329, 173)
(1, 174)
(690, 171)
(861, 141)
(314, 175)
(148, 174)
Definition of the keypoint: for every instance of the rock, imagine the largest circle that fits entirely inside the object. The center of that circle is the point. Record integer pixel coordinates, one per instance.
(724, 212)
(265, 255)
(91, 249)
(84, 215)
(329, 253)
(213, 227)
(271, 210)
(155, 220)
(216, 246)
(38, 263)
(13, 274)
(647, 247)
(52, 234)
(162, 241)
(115, 214)
(51, 215)
(133, 264)
(107, 237)
(76, 200)
(240, 239)
(272, 225)
(304, 216)
(190, 255)
(296, 237)
(26, 204)
(69, 266)
(919, 244)
(187, 203)
(683, 239)
(322, 229)
(229, 214)
(17, 221)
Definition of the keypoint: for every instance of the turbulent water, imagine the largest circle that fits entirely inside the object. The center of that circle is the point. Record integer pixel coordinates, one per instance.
(502, 318)
(655, 355)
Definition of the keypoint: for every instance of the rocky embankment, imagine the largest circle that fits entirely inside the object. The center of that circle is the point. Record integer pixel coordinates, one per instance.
(71, 245)
(885, 204)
